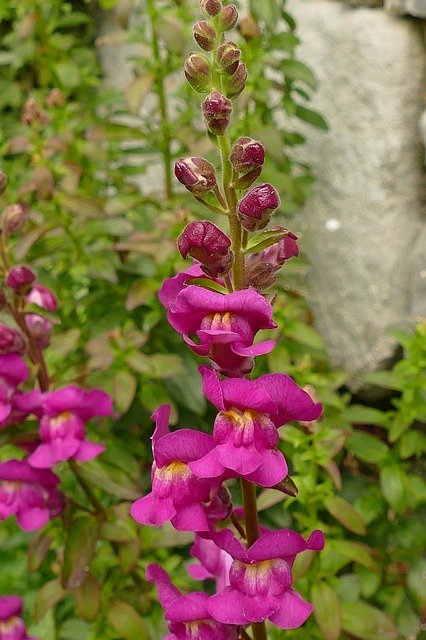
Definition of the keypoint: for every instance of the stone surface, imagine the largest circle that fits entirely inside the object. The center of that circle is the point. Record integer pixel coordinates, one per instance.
(363, 224)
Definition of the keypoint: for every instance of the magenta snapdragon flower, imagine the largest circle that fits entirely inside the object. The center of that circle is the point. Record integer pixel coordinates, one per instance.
(29, 494)
(13, 371)
(260, 579)
(12, 626)
(245, 430)
(225, 325)
(187, 615)
(215, 563)
(62, 427)
(190, 503)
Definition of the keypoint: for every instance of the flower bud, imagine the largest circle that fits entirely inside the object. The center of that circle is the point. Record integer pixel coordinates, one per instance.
(247, 154)
(55, 98)
(228, 57)
(40, 329)
(11, 340)
(204, 35)
(235, 84)
(249, 28)
(197, 72)
(228, 17)
(259, 275)
(21, 279)
(217, 112)
(14, 217)
(256, 207)
(210, 7)
(42, 297)
(261, 268)
(196, 174)
(278, 253)
(3, 181)
(205, 242)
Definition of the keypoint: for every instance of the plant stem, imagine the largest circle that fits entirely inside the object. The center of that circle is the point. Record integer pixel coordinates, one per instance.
(162, 99)
(250, 511)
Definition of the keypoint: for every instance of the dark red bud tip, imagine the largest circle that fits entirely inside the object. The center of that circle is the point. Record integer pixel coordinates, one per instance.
(3, 181)
(217, 111)
(20, 279)
(228, 17)
(210, 7)
(205, 242)
(14, 217)
(197, 72)
(11, 340)
(247, 154)
(256, 207)
(204, 35)
(196, 174)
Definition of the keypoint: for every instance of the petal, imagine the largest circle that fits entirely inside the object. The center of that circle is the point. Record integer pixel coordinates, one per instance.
(190, 518)
(226, 540)
(64, 448)
(161, 417)
(293, 611)
(185, 445)
(96, 403)
(188, 608)
(21, 471)
(10, 606)
(32, 519)
(167, 592)
(243, 460)
(212, 388)
(150, 510)
(257, 349)
(231, 606)
(272, 470)
(292, 401)
(246, 394)
(13, 368)
(42, 457)
(88, 451)
(208, 466)
(198, 572)
(283, 543)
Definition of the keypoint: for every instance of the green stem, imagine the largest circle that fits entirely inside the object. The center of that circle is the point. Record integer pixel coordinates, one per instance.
(162, 99)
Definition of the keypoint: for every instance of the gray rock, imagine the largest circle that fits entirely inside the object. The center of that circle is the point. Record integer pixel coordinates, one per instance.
(362, 224)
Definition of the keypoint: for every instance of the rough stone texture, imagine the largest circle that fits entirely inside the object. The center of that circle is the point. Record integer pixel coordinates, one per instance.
(362, 227)
(415, 8)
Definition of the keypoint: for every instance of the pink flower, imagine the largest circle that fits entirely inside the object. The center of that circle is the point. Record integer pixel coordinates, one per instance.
(29, 494)
(190, 503)
(13, 371)
(225, 325)
(171, 287)
(12, 627)
(42, 297)
(187, 615)
(22, 405)
(65, 412)
(214, 562)
(245, 431)
(260, 579)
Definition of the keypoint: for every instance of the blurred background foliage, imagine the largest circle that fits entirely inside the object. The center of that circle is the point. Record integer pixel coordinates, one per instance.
(83, 158)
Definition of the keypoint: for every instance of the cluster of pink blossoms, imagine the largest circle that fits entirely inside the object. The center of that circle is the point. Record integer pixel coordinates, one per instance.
(219, 305)
(29, 489)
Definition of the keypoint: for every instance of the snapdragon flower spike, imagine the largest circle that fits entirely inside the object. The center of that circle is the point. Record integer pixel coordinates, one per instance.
(245, 430)
(205, 242)
(260, 579)
(214, 562)
(12, 626)
(190, 503)
(187, 615)
(225, 325)
(256, 207)
(65, 412)
(13, 371)
(29, 494)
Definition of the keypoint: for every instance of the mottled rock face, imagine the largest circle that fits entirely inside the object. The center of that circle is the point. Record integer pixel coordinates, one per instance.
(361, 228)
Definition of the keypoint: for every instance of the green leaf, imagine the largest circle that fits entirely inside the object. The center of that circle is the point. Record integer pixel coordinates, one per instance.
(357, 552)
(157, 365)
(46, 598)
(304, 334)
(88, 599)
(128, 555)
(68, 74)
(126, 621)
(265, 239)
(207, 283)
(112, 480)
(116, 531)
(122, 203)
(140, 293)
(79, 549)
(295, 70)
(124, 388)
(412, 443)
(345, 513)
(37, 550)
(366, 622)
(138, 90)
(266, 10)
(312, 117)
(392, 483)
(327, 610)
(386, 379)
(417, 581)
(366, 447)
(359, 414)
(73, 19)
(285, 41)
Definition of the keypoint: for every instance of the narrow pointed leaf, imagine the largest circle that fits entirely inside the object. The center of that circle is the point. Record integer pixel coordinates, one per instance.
(345, 513)
(327, 610)
(79, 549)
